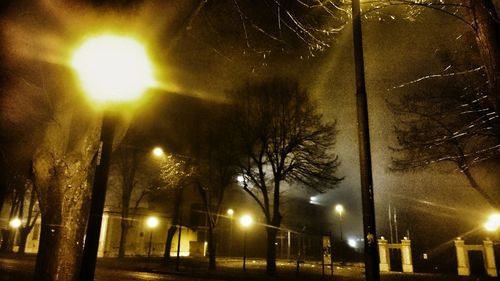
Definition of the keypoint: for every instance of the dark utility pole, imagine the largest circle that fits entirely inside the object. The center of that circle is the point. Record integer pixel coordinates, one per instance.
(98, 197)
(372, 270)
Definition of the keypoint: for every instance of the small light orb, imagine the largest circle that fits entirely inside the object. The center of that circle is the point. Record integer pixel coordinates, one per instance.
(152, 222)
(15, 223)
(352, 243)
(339, 208)
(246, 221)
(158, 152)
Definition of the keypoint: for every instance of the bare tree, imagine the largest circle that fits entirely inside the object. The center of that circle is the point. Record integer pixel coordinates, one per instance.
(447, 123)
(215, 170)
(16, 195)
(283, 139)
(127, 161)
(478, 16)
(28, 221)
(175, 173)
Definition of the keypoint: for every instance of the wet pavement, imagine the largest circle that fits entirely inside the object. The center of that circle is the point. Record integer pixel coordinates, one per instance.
(17, 268)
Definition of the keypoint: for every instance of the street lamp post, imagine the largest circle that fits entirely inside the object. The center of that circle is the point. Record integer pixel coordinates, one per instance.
(230, 213)
(15, 223)
(112, 70)
(246, 221)
(372, 270)
(340, 209)
(152, 223)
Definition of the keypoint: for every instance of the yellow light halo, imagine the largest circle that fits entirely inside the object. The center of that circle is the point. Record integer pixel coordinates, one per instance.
(158, 152)
(113, 68)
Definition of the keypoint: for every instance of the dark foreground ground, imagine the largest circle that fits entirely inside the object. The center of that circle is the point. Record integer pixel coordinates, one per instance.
(17, 268)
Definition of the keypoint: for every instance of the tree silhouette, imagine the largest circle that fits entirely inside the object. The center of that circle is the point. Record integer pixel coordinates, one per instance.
(449, 122)
(282, 139)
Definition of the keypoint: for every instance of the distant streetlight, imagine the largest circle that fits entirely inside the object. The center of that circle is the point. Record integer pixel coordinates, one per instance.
(230, 213)
(340, 210)
(246, 221)
(15, 223)
(158, 152)
(151, 223)
(112, 70)
(240, 179)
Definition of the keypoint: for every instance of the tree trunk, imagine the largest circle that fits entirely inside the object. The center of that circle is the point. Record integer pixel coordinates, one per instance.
(23, 237)
(7, 243)
(3, 193)
(271, 250)
(168, 243)
(475, 185)
(123, 237)
(212, 264)
(61, 241)
(175, 221)
(61, 172)
(487, 39)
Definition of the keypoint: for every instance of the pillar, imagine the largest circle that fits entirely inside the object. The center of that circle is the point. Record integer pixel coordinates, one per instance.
(489, 258)
(383, 252)
(462, 258)
(406, 255)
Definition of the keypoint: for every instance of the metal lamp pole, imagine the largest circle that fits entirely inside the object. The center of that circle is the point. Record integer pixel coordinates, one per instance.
(244, 249)
(150, 241)
(106, 86)
(245, 222)
(372, 270)
(98, 197)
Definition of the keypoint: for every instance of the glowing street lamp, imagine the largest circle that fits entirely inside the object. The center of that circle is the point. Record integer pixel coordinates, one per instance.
(112, 70)
(340, 209)
(151, 223)
(493, 223)
(230, 213)
(158, 152)
(246, 221)
(15, 223)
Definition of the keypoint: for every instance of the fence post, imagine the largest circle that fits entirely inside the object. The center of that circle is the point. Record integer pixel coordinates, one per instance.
(383, 250)
(406, 255)
(462, 258)
(489, 258)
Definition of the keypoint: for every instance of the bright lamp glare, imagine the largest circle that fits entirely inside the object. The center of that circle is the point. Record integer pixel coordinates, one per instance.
(352, 243)
(158, 152)
(230, 212)
(493, 223)
(15, 223)
(339, 208)
(113, 68)
(240, 179)
(246, 221)
(152, 222)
